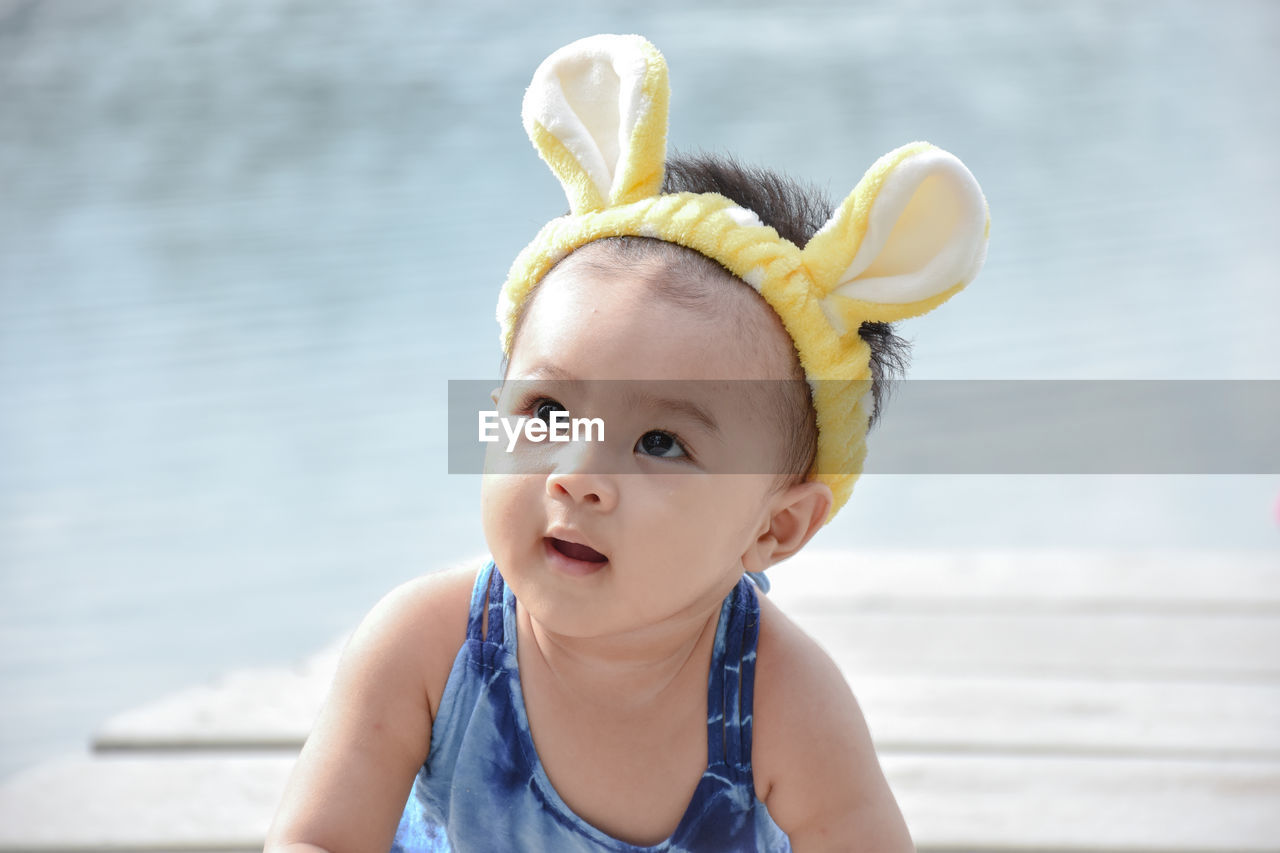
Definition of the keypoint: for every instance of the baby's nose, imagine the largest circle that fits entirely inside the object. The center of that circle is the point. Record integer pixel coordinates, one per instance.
(580, 480)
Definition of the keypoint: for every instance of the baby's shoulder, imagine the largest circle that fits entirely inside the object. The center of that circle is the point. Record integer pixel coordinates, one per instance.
(813, 759)
(423, 622)
(798, 685)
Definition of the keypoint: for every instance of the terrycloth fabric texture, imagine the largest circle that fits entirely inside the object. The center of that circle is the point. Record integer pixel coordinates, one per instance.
(910, 235)
(484, 788)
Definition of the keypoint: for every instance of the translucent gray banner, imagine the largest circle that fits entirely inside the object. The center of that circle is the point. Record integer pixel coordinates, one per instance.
(927, 427)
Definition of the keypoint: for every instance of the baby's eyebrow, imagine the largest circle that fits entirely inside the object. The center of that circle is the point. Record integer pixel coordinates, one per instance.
(550, 371)
(688, 408)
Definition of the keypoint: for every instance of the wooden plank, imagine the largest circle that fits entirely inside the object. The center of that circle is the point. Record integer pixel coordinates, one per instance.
(965, 802)
(952, 802)
(265, 708)
(1019, 702)
(167, 802)
(1204, 581)
(1038, 644)
(974, 671)
(1071, 717)
(938, 712)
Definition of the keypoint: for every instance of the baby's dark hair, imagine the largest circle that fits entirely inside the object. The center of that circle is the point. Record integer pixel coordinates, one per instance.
(796, 211)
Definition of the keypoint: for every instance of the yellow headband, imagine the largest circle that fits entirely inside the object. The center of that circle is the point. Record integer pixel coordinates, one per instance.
(911, 234)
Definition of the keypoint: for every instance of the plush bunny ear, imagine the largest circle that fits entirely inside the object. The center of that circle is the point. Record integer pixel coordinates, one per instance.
(597, 113)
(909, 236)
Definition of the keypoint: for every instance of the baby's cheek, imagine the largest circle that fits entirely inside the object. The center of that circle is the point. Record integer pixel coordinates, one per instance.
(500, 505)
(698, 502)
(499, 460)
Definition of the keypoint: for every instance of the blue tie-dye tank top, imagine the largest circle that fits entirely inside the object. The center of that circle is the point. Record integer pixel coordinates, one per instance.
(483, 788)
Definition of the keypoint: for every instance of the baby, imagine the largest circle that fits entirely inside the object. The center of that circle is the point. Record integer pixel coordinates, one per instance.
(612, 680)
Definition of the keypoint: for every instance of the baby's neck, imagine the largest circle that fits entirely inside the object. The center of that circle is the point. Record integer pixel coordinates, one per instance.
(624, 673)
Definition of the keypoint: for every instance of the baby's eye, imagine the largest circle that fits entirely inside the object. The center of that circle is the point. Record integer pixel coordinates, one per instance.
(661, 444)
(543, 408)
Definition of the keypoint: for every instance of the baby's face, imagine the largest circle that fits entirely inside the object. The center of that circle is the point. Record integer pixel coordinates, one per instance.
(606, 537)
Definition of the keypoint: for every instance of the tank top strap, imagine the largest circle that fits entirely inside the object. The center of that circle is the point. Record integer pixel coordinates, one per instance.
(487, 599)
(731, 685)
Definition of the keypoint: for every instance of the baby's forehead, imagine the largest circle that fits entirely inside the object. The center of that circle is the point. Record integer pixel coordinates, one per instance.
(727, 309)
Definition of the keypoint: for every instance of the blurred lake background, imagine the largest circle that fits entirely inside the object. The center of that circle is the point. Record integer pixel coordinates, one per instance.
(244, 245)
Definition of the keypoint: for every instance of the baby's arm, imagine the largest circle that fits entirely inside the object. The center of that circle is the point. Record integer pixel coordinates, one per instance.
(815, 766)
(353, 777)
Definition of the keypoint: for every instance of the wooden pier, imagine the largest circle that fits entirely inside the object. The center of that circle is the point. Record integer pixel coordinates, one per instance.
(1020, 701)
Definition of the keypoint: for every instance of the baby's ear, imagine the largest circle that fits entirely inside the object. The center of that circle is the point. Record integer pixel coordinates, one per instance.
(797, 513)
(597, 113)
(909, 236)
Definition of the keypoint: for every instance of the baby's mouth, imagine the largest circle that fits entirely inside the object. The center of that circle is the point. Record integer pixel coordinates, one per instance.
(575, 551)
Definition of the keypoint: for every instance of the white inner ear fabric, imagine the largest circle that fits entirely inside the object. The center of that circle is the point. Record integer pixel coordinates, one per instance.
(923, 230)
(924, 235)
(591, 92)
(591, 101)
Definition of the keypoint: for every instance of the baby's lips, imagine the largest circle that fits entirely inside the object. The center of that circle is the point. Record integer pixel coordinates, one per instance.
(577, 551)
